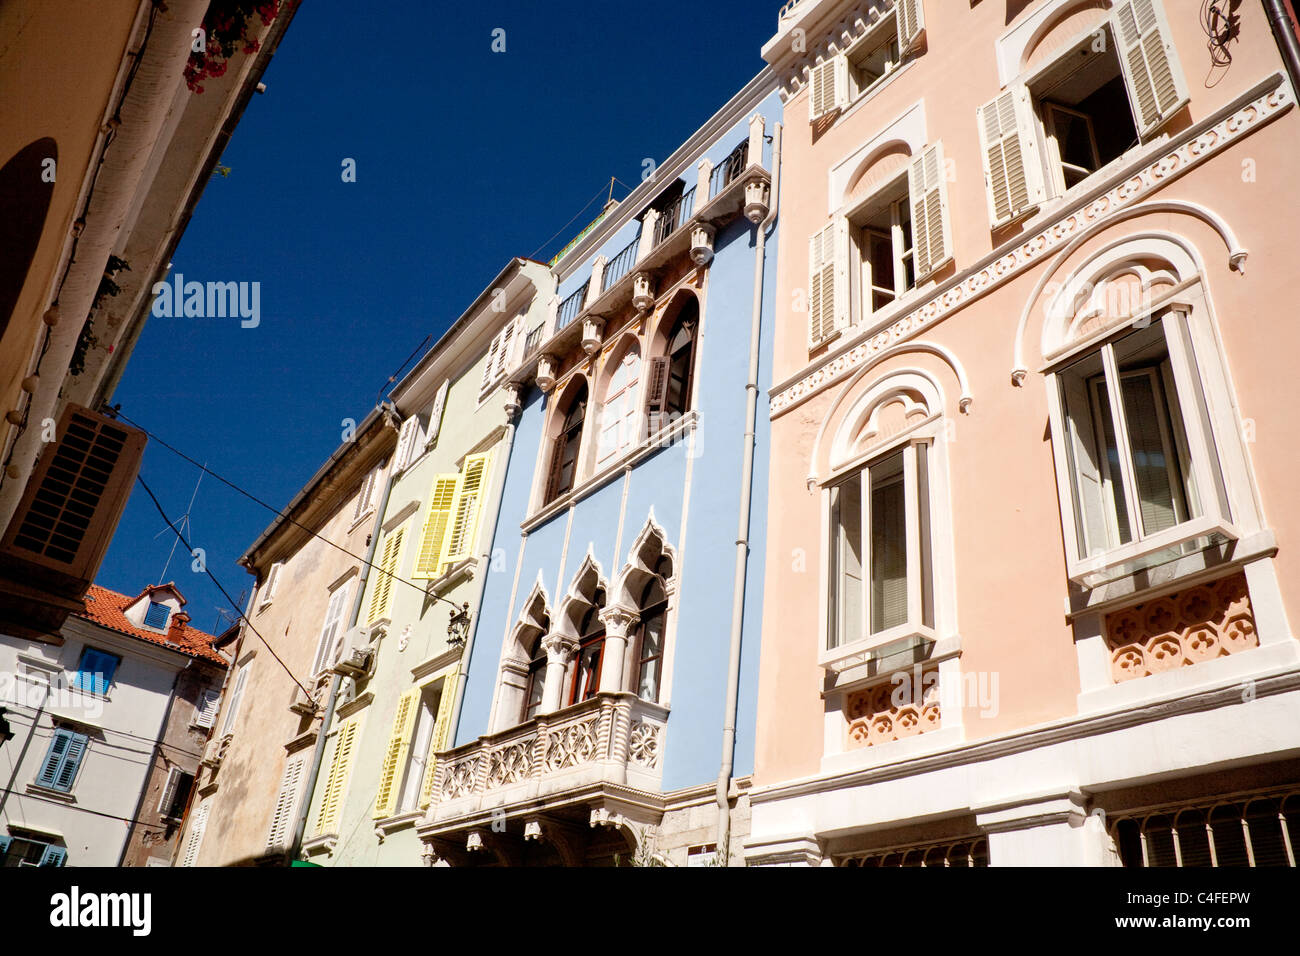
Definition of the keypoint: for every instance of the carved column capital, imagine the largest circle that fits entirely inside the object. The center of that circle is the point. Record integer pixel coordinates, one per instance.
(559, 648)
(619, 620)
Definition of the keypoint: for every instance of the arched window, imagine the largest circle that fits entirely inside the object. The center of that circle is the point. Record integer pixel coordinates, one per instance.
(536, 679)
(681, 359)
(650, 633)
(564, 456)
(591, 651)
(618, 416)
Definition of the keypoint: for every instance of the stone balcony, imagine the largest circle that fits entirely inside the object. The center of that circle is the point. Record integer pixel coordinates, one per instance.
(597, 764)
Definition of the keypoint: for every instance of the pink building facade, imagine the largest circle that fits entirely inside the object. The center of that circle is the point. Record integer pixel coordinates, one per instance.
(1031, 572)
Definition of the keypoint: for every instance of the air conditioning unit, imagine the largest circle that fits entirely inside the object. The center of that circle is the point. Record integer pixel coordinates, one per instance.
(357, 654)
(216, 751)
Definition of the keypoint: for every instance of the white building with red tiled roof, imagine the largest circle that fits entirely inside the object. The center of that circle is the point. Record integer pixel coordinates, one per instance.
(109, 726)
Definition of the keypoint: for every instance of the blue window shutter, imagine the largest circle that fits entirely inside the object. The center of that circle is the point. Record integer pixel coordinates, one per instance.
(157, 615)
(54, 856)
(4, 848)
(96, 671)
(71, 761)
(54, 757)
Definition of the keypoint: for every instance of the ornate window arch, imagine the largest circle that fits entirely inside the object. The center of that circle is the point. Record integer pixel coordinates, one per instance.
(620, 410)
(565, 437)
(888, 546)
(1149, 464)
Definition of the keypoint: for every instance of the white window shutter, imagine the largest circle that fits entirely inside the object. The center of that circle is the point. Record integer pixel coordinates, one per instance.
(503, 354)
(285, 803)
(206, 711)
(839, 312)
(435, 417)
(490, 364)
(928, 194)
(1013, 173)
(169, 789)
(196, 834)
(911, 23)
(821, 285)
(367, 490)
(407, 441)
(1156, 87)
(656, 384)
(827, 87)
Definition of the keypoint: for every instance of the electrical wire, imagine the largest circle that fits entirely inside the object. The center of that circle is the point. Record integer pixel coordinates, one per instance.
(116, 412)
(213, 578)
(561, 230)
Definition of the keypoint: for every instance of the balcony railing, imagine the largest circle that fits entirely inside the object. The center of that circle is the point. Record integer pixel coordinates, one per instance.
(614, 738)
(571, 306)
(675, 215)
(533, 339)
(729, 169)
(620, 264)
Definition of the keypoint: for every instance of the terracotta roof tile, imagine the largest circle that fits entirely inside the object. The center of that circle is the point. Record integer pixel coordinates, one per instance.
(105, 608)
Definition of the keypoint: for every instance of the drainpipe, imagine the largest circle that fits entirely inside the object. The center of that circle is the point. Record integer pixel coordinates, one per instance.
(122, 165)
(1284, 33)
(746, 496)
(484, 564)
(304, 805)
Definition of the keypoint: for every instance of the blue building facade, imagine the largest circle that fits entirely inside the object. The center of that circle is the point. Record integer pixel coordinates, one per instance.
(608, 652)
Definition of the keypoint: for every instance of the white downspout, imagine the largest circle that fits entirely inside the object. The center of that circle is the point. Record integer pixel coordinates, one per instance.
(123, 161)
(746, 496)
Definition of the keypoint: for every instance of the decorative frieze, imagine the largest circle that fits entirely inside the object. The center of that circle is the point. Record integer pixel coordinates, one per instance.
(1199, 624)
(887, 712)
(1191, 152)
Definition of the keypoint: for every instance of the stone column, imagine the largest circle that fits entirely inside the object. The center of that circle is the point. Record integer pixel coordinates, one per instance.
(559, 652)
(618, 622)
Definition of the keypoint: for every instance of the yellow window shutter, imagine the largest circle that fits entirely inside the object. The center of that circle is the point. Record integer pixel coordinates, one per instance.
(399, 745)
(382, 594)
(439, 739)
(328, 817)
(436, 521)
(1150, 63)
(459, 541)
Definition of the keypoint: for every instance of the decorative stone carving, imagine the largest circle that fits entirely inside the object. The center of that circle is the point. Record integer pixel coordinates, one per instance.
(643, 291)
(458, 779)
(1046, 241)
(756, 200)
(593, 331)
(533, 830)
(888, 712)
(643, 744)
(702, 243)
(572, 745)
(1178, 630)
(474, 841)
(618, 620)
(510, 764)
(514, 401)
(547, 366)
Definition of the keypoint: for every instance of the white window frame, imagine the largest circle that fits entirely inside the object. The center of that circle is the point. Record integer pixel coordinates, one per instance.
(848, 458)
(418, 755)
(862, 280)
(871, 41)
(206, 708)
(272, 580)
(1203, 436)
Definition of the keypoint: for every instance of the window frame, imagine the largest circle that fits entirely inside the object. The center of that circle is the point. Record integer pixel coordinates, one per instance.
(1215, 523)
(553, 487)
(53, 765)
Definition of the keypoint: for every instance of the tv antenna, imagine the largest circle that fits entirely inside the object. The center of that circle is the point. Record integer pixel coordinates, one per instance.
(183, 524)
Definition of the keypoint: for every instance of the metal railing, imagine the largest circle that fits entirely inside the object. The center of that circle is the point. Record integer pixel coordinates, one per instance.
(729, 169)
(533, 340)
(571, 306)
(620, 265)
(674, 215)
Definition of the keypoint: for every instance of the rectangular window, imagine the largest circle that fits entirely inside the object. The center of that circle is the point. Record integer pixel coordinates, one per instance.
(205, 710)
(175, 794)
(18, 851)
(62, 760)
(269, 586)
(880, 573)
(336, 782)
(872, 59)
(883, 235)
(286, 802)
(95, 671)
(381, 594)
(1143, 482)
(422, 750)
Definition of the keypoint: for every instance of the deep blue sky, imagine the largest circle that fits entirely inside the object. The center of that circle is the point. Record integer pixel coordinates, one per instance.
(465, 157)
